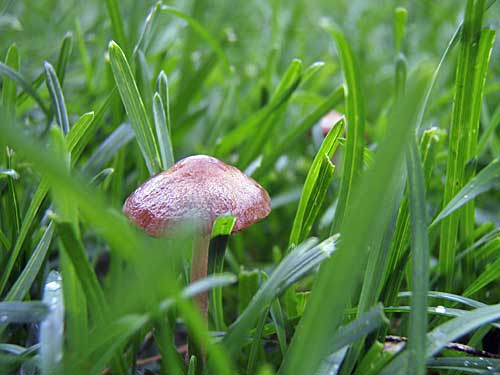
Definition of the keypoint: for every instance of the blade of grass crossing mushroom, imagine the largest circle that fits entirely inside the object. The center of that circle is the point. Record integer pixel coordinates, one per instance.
(355, 115)
(135, 108)
(367, 214)
(461, 129)
(315, 186)
(57, 97)
(64, 56)
(438, 338)
(420, 263)
(52, 328)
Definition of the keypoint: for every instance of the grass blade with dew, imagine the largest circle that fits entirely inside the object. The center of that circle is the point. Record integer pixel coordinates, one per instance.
(315, 186)
(462, 128)
(368, 214)
(134, 106)
(420, 263)
(466, 365)
(483, 181)
(22, 312)
(52, 327)
(438, 338)
(355, 118)
(57, 97)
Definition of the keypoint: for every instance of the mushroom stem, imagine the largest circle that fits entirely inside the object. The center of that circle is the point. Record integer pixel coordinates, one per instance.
(199, 266)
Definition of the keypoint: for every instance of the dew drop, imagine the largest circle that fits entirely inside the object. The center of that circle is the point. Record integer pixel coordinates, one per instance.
(440, 309)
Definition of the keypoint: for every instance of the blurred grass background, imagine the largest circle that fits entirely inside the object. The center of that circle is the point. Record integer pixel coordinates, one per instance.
(224, 67)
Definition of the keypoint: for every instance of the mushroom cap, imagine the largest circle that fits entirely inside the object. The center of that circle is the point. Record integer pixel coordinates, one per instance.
(198, 187)
(327, 121)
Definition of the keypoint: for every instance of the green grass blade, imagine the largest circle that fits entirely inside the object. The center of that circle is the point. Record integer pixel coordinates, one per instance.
(488, 133)
(79, 135)
(355, 330)
(294, 134)
(117, 24)
(278, 318)
(57, 97)
(483, 181)
(162, 132)
(120, 137)
(420, 263)
(162, 89)
(135, 107)
(52, 328)
(15, 76)
(9, 95)
(84, 55)
(23, 283)
(466, 365)
(315, 186)
(295, 265)
(355, 117)
(490, 274)
(461, 130)
(86, 275)
(449, 297)
(438, 338)
(367, 214)
(64, 56)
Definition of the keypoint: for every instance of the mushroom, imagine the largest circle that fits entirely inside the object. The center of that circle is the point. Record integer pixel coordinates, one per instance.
(198, 187)
(327, 121)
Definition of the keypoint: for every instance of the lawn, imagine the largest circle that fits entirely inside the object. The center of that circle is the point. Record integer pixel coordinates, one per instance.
(359, 234)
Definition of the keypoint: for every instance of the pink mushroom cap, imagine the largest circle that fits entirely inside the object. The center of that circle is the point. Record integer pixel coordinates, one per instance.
(198, 187)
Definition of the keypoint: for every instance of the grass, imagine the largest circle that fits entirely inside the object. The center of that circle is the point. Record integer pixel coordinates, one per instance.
(381, 253)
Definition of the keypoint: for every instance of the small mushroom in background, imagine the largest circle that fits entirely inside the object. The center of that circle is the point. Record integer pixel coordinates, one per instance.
(327, 121)
(198, 187)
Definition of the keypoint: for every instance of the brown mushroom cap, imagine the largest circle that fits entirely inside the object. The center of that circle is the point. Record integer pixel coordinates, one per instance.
(200, 187)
